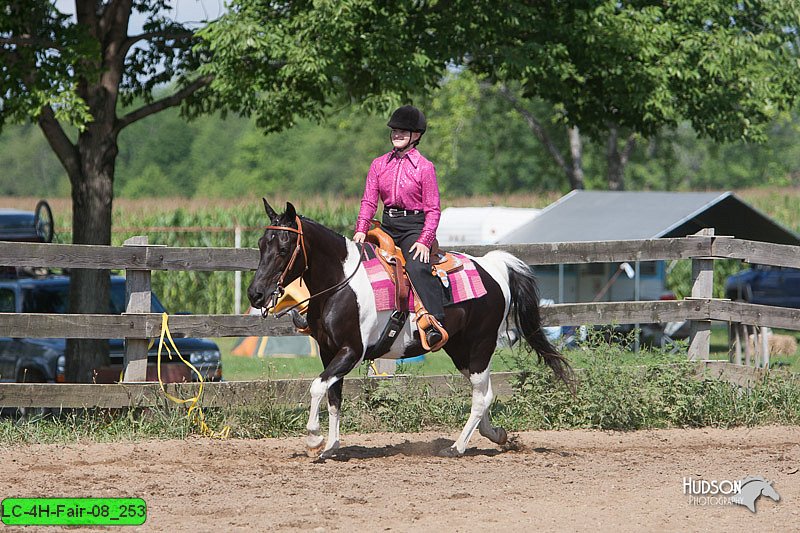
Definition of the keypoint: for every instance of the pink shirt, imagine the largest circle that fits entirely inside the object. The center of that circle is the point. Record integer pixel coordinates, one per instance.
(407, 183)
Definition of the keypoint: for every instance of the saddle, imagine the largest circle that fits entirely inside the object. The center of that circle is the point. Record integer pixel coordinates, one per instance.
(393, 262)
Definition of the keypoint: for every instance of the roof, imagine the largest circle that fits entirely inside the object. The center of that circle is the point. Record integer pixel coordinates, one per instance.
(480, 225)
(628, 215)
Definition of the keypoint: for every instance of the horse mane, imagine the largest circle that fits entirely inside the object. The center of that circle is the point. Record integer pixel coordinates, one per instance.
(321, 226)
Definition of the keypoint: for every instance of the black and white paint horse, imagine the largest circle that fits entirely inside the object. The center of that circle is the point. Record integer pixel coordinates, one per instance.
(343, 319)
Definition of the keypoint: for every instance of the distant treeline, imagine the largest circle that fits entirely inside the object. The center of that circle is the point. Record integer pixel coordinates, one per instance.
(480, 145)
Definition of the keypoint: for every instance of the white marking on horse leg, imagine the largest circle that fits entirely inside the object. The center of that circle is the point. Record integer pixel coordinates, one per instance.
(318, 389)
(333, 433)
(481, 399)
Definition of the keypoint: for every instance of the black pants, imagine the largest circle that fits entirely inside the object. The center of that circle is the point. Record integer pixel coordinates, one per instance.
(405, 231)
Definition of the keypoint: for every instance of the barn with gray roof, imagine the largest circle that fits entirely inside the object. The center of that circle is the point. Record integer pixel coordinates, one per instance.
(624, 215)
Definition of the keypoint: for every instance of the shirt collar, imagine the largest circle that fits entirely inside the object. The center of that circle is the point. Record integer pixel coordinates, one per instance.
(413, 156)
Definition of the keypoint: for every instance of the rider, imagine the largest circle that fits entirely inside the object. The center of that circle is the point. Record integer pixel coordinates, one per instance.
(406, 183)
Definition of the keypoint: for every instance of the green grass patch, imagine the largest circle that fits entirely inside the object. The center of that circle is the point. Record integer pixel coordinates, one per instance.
(618, 390)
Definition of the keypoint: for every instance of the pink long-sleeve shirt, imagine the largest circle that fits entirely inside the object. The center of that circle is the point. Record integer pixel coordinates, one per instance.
(408, 182)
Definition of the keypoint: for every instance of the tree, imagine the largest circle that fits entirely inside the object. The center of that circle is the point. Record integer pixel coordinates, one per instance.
(608, 66)
(60, 71)
(277, 61)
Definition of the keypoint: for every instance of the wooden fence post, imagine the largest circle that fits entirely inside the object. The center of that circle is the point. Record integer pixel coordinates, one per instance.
(137, 300)
(702, 288)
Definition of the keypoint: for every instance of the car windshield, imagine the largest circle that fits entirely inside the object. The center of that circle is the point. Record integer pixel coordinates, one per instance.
(49, 298)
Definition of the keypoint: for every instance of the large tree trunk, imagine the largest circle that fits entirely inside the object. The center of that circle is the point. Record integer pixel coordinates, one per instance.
(92, 197)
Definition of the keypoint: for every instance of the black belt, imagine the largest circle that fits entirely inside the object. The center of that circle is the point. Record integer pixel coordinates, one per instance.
(395, 212)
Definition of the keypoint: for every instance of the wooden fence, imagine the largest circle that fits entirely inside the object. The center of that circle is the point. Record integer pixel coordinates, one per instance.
(138, 259)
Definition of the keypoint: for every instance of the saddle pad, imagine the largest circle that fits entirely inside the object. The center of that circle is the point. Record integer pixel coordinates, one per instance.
(465, 283)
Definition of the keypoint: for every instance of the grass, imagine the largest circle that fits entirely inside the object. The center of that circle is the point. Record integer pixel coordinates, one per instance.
(618, 390)
(237, 368)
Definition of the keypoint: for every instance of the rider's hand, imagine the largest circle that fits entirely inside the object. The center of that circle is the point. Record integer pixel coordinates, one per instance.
(359, 237)
(421, 251)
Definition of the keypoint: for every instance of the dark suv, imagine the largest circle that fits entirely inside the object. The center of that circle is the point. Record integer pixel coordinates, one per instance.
(42, 360)
(766, 285)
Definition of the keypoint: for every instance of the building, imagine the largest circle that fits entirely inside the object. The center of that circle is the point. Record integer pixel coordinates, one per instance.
(480, 225)
(623, 215)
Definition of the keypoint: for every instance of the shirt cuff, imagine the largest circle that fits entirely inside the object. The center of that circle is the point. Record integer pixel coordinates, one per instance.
(426, 238)
(362, 225)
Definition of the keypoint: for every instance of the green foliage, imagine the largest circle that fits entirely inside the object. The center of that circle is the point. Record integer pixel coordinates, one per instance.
(728, 68)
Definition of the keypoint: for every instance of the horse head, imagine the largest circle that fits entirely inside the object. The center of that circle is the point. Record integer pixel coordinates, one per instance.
(280, 248)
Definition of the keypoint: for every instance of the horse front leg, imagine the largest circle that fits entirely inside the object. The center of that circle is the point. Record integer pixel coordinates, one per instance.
(334, 406)
(329, 381)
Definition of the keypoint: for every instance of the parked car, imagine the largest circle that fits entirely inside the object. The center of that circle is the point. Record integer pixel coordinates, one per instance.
(42, 360)
(766, 285)
(27, 226)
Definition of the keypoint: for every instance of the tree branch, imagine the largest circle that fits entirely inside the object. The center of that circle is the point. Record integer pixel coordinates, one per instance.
(535, 126)
(164, 103)
(66, 151)
(166, 34)
(30, 41)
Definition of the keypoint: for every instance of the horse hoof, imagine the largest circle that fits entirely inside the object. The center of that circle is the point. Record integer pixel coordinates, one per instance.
(314, 445)
(328, 452)
(502, 436)
(450, 452)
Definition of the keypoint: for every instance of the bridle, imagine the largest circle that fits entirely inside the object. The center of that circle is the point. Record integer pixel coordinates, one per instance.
(301, 245)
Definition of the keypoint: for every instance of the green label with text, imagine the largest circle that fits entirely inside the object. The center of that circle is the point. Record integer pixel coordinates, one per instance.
(74, 511)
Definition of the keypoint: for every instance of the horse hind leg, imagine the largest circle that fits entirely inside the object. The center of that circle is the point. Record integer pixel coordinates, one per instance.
(497, 434)
(482, 397)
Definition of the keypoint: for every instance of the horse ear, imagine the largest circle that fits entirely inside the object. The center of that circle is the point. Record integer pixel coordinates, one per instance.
(290, 213)
(270, 212)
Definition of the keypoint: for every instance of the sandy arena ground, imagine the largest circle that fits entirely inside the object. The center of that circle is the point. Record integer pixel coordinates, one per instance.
(549, 481)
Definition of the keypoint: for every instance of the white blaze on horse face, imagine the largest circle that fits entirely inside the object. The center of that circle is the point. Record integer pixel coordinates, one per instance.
(365, 298)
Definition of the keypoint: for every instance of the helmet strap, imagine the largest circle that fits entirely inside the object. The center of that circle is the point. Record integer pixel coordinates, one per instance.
(410, 144)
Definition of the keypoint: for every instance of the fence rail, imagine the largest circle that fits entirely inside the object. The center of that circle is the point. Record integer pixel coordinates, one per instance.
(138, 260)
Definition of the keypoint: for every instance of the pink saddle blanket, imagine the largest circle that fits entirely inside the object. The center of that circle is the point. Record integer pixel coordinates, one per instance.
(465, 283)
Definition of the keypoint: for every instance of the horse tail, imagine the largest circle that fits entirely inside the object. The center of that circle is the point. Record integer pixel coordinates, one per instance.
(524, 311)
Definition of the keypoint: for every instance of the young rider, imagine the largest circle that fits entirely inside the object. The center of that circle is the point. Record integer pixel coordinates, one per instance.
(406, 183)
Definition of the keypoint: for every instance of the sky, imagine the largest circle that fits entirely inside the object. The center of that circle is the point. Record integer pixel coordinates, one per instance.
(181, 11)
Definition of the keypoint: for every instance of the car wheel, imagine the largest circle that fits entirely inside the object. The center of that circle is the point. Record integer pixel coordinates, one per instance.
(43, 221)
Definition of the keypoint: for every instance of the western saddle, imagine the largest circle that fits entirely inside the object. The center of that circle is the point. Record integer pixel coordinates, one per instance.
(392, 260)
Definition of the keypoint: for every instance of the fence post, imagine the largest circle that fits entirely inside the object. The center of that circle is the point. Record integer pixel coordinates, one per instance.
(702, 288)
(137, 300)
(237, 276)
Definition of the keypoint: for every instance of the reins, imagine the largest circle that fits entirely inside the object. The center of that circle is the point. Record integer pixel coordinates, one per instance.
(301, 243)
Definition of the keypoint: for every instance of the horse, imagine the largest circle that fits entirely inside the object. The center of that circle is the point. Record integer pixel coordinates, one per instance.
(343, 319)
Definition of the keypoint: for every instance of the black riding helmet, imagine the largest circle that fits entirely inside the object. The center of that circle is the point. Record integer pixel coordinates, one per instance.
(408, 118)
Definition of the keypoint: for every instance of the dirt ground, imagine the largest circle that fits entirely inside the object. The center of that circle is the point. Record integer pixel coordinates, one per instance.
(550, 480)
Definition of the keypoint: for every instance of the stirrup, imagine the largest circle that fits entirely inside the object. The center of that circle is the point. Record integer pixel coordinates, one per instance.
(426, 322)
